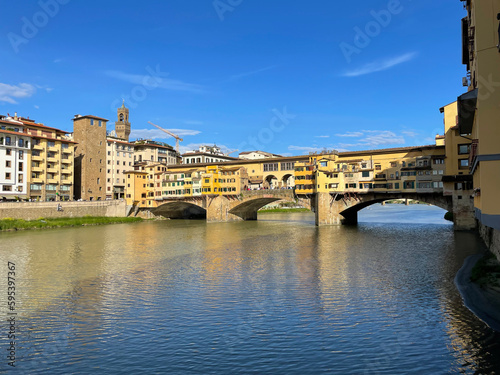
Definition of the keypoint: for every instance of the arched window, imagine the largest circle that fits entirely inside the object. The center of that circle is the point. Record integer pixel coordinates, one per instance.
(121, 116)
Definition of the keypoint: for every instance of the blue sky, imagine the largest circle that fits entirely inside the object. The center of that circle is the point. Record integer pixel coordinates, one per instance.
(287, 77)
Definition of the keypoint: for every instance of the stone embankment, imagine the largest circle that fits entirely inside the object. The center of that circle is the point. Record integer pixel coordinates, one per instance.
(35, 210)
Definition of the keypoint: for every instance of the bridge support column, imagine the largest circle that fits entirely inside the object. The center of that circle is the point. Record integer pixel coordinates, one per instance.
(328, 211)
(464, 217)
(218, 210)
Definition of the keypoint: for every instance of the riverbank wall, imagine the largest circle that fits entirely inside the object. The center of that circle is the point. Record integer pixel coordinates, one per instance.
(491, 238)
(36, 210)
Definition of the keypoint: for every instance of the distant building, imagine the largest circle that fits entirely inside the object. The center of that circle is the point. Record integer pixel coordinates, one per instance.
(90, 157)
(205, 155)
(153, 151)
(252, 155)
(119, 159)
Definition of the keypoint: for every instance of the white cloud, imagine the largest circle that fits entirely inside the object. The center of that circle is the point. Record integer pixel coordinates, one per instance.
(9, 92)
(56, 61)
(246, 74)
(378, 66)
(322, 136)
(152, 82)
(374, 139)
(158, 134)
(37, 107)
(350, 134)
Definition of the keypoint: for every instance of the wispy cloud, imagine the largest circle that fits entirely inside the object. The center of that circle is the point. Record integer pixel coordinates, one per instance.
(253, 72)
(321, 136)
(161, 82)
(381, 65)
(350, 134)
(193, 122)
(8, 93)
(370, 139)
(158, 134)
(409, 133)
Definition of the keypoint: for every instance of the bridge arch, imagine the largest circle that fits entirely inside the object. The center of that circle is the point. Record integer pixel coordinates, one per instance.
(180, 210)
(272, 181)
(288, 180)
(351, 213)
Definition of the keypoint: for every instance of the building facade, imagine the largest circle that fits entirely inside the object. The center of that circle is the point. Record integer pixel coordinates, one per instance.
(119, 160)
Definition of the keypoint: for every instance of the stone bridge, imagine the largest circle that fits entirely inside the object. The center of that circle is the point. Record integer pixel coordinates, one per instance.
(218, 208)
(329, 208)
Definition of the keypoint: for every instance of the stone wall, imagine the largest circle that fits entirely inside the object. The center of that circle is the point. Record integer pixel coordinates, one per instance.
(491, 238)
(35, 210)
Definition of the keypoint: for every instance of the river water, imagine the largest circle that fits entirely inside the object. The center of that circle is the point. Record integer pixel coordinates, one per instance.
(276, 296)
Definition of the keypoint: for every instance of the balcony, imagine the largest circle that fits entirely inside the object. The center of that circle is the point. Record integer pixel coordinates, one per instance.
(38, 146)
(379, 177)
(67, 150)
(37, 169)
(52, 181)
(52, 148)
(66, 171)
(66, 161)
(37, 180)
(37, 158)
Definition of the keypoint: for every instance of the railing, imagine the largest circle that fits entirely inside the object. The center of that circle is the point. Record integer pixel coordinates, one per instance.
(473, 152)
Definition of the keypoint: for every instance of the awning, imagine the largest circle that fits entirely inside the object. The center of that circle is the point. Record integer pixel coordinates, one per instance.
(466, 110)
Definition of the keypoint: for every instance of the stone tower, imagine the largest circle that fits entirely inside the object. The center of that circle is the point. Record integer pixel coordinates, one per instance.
(122, 125)
(90, 157)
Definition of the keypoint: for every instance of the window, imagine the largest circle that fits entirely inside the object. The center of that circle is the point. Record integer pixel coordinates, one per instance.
(439, 161)
(20, 166)
(7, 188)
(8, 151)
(394, 164)
(100, 123)
(7, 164)
(21, 154)
(109, 153)
(98, 181)
(378, 167)
(463, 149)
(365, 174)
(7, 176)
(20, 178)
(463, 163)
(7, 141)
(21, 143)
(91, 121)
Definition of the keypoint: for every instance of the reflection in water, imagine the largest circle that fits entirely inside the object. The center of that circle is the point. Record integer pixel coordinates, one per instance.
(274, 296)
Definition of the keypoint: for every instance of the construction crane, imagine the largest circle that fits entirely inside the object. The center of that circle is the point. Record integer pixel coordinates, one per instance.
(231, 152)
(177, 138)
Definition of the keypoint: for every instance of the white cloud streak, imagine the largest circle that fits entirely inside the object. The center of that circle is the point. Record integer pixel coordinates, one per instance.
(8, 93)
(247, 74)
(350, 134)
(379, 66)
(160, 82)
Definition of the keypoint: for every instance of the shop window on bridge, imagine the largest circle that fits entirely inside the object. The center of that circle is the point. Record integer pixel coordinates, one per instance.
(439, 161)
(270, 167)
(423, 185)
(378, 167)
(409, 185)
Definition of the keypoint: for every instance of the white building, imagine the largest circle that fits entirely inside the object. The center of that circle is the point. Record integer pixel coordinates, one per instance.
(119, 158)
(15, 146)
(206, 155)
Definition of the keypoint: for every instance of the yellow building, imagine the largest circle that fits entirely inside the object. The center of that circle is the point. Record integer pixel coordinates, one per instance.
(219, 180)
(144, 185)
(478, 109)
(405, 169)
